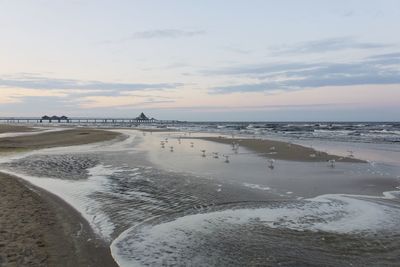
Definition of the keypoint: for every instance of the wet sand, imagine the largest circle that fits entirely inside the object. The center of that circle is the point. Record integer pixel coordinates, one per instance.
(135, 190)
(39, 229)
(55, 139)
(155, 130)
(6, 128)
(281, 150)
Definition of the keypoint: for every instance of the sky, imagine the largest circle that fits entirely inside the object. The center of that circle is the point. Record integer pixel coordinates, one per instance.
(219, 60)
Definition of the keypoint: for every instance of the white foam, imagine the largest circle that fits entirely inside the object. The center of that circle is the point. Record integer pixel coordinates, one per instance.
(329, 213)
(77, 194)
(115, 145)
(332, 213)
(257, 186)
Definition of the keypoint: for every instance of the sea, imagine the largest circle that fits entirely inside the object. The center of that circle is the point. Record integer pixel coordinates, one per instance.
(365, 132)
(164, 197)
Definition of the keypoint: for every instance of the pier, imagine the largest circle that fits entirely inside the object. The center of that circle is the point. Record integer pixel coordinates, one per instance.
(141, 119)
(77, 120)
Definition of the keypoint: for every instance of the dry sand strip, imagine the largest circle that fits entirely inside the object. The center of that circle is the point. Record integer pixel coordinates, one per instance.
(39, 229)
(72, 137)
(7, 128)
(281, 150)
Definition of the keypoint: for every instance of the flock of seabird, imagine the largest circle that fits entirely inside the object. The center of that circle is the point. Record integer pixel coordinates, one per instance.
(235, 148)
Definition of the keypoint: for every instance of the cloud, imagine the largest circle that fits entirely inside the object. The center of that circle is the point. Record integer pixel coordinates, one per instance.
(156, 34)
(166, 33)
(258, 69)
(386, 59)
(18, 95)
(145, 104)
(27, 88)
(326, 45)
(236, 50)
(37, 82)
(348, 13)
(379, 69)
(38, 106)
(255, 107)
(133, 101)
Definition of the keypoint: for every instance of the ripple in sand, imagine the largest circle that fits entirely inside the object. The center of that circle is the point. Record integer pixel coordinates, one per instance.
(66, 166)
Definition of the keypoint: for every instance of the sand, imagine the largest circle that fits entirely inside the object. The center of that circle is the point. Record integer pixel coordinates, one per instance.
(281, 150)
(55, 139)
(6, 128)
(38, 228)
(155, 130)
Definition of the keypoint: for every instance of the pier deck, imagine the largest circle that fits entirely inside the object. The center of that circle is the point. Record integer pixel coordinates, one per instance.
(16, 120)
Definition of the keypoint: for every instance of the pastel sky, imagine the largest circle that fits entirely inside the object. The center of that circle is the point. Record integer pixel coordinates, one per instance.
(292, 60)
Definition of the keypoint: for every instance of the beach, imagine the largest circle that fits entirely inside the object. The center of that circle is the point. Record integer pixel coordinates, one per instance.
(200, 133)
(5, 128)
(37, 227)
(126, 191)
(68, 137)
(300, 211)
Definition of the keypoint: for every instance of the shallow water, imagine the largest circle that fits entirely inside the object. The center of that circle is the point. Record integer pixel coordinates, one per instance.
(178, 208)
(359, 132)
(308, 233)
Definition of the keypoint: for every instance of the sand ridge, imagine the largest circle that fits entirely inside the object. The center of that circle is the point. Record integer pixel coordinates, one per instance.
(70, 137)
(280, 150)
(7, 128)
